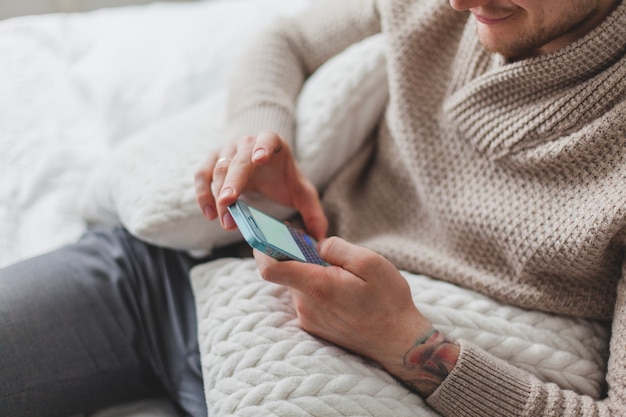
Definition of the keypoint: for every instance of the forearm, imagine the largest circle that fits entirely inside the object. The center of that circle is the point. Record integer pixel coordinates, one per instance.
(265, 85)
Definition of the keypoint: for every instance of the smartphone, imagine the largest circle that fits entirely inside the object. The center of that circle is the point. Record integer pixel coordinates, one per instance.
(273, 237)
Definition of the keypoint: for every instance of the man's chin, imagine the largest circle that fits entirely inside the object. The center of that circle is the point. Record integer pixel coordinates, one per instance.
(512, 51)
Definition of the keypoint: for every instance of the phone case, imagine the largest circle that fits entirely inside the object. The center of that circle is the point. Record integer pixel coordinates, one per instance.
(253, 234)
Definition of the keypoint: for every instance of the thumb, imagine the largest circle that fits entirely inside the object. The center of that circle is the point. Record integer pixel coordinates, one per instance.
(362, 262)
(301, 276)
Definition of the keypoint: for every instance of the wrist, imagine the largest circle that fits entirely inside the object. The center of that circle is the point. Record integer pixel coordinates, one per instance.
(427, 363)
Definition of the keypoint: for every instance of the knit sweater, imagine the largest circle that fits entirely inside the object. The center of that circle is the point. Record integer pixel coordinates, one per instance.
(506, 178)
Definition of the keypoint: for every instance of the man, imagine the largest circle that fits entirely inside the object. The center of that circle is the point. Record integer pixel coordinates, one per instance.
(485, 173)
(498, 165)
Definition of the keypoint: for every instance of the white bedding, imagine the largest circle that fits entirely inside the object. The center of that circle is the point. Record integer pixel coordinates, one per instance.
(75, 87)
(104, 117)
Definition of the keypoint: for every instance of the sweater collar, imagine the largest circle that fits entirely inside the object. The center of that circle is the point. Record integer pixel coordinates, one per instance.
(505, 107)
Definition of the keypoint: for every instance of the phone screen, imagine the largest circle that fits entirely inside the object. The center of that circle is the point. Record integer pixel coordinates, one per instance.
(277, 233)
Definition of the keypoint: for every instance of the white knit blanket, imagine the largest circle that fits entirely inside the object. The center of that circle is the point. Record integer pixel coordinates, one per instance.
(257, 362)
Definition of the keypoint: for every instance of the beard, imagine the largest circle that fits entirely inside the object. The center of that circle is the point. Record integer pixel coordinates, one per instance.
(537, 32)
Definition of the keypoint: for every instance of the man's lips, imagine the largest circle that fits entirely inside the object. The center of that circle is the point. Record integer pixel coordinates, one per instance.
(491, 20)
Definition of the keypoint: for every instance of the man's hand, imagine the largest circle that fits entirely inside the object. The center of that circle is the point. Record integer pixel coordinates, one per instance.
(362, 303)
(263, 164)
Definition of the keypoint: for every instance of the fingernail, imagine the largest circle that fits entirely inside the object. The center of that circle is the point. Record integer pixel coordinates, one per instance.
(227, 221)
(259, 153)
(226, 192)
(209, 212)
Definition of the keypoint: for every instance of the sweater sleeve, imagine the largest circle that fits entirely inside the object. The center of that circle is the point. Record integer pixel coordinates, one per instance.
(481, 385)
(266, 83)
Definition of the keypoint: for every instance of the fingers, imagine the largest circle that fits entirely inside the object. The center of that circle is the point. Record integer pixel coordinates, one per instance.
(308, 204)
(267, 144)
(202, 182)
(302, 194)
(221, 167)
(362, 264)
(238, 174)
(208, 178)
(242, 174)
(264, 164)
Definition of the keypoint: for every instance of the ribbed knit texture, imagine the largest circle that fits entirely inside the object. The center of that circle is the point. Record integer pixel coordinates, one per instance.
(507, 178)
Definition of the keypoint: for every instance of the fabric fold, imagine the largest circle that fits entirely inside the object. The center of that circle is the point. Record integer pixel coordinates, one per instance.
(506, 107)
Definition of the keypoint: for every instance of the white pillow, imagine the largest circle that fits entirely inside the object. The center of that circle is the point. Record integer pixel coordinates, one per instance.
(147, 182)
(338, 107)
(256, 361)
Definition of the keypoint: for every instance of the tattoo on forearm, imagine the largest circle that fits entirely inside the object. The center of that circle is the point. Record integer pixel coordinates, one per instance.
(429, 361)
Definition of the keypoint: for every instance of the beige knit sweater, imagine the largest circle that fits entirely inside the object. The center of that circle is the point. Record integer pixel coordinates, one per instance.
(507, 178)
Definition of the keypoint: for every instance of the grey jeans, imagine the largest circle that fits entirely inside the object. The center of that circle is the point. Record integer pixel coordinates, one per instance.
(106, 320)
